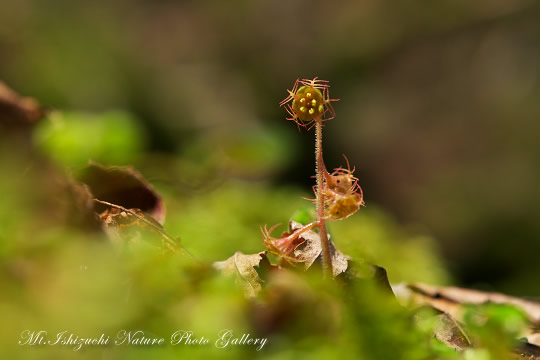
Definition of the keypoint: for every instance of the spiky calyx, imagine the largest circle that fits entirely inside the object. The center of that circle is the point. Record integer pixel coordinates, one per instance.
(287, 243)
(343, 195)
(309, 102)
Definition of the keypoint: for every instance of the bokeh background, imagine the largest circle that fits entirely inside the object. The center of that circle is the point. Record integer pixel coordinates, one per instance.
(438, 114)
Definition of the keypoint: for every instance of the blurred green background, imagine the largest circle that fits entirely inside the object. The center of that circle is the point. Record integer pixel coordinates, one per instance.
(438, 114)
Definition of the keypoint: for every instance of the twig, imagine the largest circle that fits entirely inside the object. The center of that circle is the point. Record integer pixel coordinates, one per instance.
(171, 243)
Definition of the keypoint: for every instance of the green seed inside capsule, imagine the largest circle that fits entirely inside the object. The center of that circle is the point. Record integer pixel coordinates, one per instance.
(311, 111)
(321, 108)
(303, 109)
(313, 102)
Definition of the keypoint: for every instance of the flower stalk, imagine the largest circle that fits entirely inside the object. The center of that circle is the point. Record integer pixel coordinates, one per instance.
(320, 199)
(337, 194)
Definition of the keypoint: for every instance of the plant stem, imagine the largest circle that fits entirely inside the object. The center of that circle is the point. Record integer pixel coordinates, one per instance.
(320, 169)
(172, 244)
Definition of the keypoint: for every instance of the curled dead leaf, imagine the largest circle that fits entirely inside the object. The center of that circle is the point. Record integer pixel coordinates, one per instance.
(471, 296)
(243, 267)
(17, 111)
(451, 301)
(123, 186)
(451, 333)
(303, 245)
(310, 250)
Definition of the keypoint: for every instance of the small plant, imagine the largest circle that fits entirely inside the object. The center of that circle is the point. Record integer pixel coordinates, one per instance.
(338, 194)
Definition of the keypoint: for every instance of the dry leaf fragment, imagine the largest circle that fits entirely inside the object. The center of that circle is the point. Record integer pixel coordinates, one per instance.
(243, 267)
(303, 245)
(310, 249)
(470, 296)
(527, 351)
(18, 115)
(123, 186)
(17, 111)
(80, 206)
(451, 333)
(451, 300)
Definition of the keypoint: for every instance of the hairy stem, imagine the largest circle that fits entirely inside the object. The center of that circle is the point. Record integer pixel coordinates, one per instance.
(320, 169)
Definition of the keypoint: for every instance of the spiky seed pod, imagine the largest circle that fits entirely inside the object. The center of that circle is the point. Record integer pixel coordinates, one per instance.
(339, 207)
(343, 195)
(308, 102)
(342, 180)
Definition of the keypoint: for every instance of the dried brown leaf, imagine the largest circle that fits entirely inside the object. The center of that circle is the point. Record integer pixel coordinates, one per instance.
(123, 186)
(243, 267)
(527, 351)
(450, 332)
(450, 300)
(17, 111)
(310, 250)
(470, 296)
(80, 206)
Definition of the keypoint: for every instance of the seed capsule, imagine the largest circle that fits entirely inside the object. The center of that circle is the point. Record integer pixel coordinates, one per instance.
(309, 102)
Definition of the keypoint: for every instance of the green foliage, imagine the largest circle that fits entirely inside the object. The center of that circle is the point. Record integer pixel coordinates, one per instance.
(373, 236)
(61, 279)
(496, 327)
(71, 138)
(253, 152)
(303, 215)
